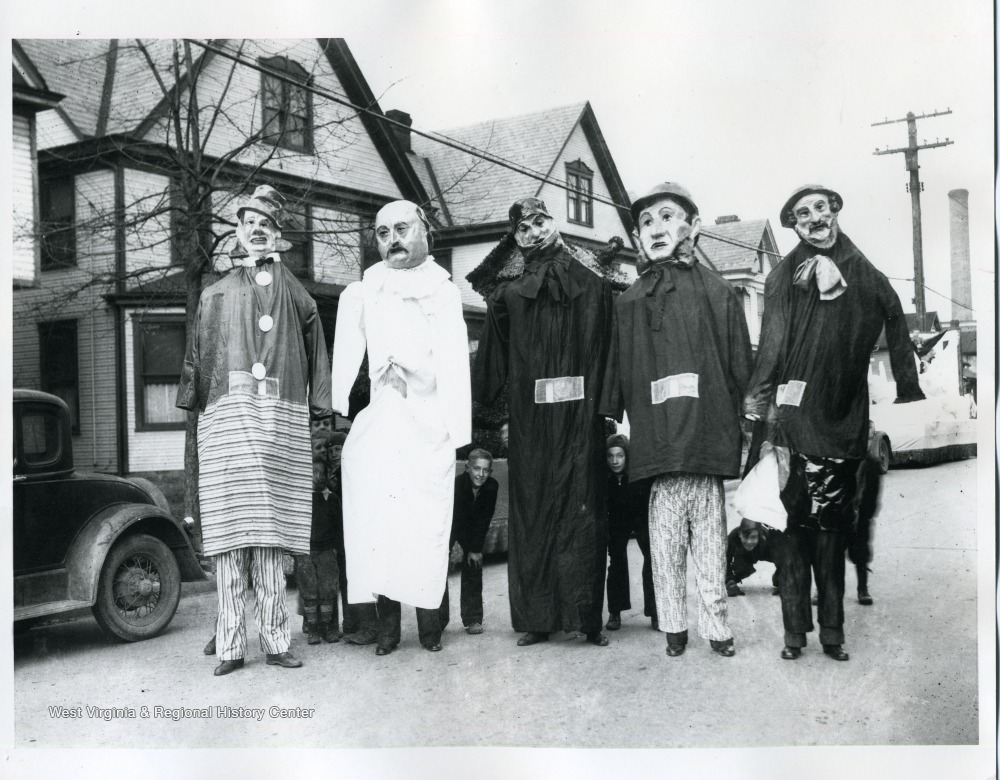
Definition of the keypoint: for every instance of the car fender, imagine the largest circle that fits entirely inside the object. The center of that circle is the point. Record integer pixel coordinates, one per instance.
(90, 548)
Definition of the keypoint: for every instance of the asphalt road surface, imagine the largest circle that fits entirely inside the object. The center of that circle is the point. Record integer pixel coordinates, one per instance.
(911, 680)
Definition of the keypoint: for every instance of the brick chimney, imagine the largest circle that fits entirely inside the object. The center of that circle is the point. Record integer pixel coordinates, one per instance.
(402, 134)
(726, 219)
(961, 270)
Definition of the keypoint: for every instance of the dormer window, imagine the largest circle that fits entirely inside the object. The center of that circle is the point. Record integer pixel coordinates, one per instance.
(579, 201)
(286, 106)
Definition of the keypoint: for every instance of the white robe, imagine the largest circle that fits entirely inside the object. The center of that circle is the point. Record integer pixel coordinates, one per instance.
(398, 463)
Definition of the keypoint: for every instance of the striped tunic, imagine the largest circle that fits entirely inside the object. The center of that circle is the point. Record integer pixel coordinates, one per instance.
(254, 454)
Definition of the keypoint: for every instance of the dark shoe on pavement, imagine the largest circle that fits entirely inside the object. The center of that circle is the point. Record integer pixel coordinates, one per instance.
(474, 628)
(654, 623)
(675, 650)
(384, 649)
(285, 659)
(366, 636)
(733, 590)
(864, 597)
(598, 639)
(329, 633)
(312, 631)
(614, 621)
(433, 648)
(532, 638)
(210, 647)
(726, 648)
(836, 652)
(790, 653)
(228, 666)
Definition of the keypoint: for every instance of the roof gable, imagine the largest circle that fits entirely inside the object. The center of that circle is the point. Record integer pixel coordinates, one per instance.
(750, 236)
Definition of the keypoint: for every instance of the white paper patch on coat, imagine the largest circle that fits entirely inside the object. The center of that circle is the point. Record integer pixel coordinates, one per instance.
(558, 389)
(790, 394)
(675, 386)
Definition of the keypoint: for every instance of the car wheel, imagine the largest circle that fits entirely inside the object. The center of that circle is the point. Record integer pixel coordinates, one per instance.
(884, 455)
(139, 588)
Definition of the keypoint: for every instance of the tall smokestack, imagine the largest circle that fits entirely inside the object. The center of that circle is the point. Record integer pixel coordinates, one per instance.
(961, 270)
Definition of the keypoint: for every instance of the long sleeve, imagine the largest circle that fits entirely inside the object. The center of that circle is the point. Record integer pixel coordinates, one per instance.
(319, 366)
(187, 390)
(612, 402)
(760, 393)
(740, 351)
(901, 357)
(482, 515)
(348, 347)
(490, 371)
(451, 357)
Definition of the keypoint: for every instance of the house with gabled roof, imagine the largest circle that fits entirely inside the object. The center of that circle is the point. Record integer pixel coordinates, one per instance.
(102, 323)
(559, 155)
(743, 252)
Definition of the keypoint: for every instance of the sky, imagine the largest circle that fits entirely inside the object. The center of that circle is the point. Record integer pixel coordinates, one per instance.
(741, 102)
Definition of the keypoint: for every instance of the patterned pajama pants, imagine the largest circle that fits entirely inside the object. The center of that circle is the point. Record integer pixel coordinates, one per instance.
(263, 565)
(689, 511)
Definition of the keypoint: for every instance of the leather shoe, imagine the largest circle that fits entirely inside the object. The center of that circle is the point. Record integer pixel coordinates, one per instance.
(675, 650)
(614, 621)
(366, 636)
(790, 653)
(474, 628)
(532, 638)
(864, 597)
(725, 649)
(228, 666)
(285, 659)
(381, 649)
(836, 652)
(210, 647)
(598, 639)
(434, 648)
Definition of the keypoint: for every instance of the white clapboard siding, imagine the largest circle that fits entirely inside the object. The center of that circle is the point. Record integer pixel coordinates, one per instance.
(463, 260)
(344, 153)
(147, 220)
(607, 222)
(147, 450)
(336, 246)
(23, 185)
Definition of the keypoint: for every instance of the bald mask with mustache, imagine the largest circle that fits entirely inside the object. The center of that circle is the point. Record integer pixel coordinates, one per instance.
(401, 235)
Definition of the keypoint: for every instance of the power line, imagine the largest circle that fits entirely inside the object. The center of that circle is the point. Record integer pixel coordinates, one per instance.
(931, 289)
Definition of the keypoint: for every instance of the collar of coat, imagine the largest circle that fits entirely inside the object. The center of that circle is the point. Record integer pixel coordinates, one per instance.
(417, 282)
(552, 267)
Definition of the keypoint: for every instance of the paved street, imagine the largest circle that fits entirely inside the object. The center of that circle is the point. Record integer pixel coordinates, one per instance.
(911, 680)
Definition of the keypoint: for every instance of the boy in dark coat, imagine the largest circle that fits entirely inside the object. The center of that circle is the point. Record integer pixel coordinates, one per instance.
(747, 544)
(475, 503)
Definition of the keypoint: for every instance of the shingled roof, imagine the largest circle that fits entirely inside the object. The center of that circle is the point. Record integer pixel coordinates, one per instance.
(480, 192)
(727, 257)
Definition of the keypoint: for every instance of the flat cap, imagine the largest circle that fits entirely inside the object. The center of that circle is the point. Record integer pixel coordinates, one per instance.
(524, 208)
(788, 219)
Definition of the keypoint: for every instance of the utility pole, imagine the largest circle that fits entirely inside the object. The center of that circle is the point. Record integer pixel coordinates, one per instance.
(915, 186)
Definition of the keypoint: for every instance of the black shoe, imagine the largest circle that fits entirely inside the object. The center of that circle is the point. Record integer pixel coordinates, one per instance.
(312, 631)
(210, 647)
(614, 621)
(865, 598)
(726, 648)
(382, 649)
(366, 636)
(433, 648)
(654, 623)
(598, 639)
(532, 638)
(733, 590)
(790, 653)
(329, 633)
(228, 666)
(285, 659)
(675, 650)
(836, 652)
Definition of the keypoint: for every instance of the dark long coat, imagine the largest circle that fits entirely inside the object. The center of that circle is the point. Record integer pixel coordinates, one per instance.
(553, 321)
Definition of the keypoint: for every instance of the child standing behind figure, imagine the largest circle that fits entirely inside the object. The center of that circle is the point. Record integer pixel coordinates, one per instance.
(317, 573)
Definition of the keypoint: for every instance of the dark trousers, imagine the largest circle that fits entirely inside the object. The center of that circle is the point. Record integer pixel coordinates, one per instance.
(317, 576)
(430, 622)
(471, 593)
(619, 593)
(822, 515)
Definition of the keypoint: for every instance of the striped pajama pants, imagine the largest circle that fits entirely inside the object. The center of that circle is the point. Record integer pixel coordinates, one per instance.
(263, 565)
(689, 511)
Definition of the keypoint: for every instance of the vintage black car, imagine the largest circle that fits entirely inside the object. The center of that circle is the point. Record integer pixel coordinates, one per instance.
(90, 540)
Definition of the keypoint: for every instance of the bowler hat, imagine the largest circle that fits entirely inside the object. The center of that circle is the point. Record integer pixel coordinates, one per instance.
(788, 219)
(524, 208)
(668, 189)
(267, 201)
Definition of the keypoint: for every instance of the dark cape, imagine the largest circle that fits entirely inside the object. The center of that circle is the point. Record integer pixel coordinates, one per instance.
(552, 321)
(828, 345)
(680, 320)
